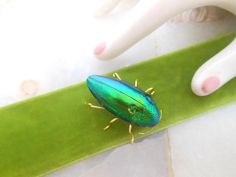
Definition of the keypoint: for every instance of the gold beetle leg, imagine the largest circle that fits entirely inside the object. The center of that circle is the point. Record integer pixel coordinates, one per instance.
(136, 83)
(143, 133)
(94, 106)
(115, 75)
(110, 123)
(150, 91)
(153, 92)
(131, 133)
(160, 114)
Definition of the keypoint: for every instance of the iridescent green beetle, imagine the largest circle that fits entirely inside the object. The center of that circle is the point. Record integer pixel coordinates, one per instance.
(125, 101)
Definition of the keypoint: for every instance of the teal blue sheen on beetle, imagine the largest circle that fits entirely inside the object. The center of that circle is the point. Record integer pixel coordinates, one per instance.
(124, 100)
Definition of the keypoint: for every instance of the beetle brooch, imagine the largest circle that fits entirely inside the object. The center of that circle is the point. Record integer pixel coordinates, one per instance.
(125, 101)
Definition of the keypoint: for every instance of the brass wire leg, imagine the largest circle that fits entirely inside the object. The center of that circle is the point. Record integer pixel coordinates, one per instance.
(143, 133)
(94, 106)
(160, 114)
(136, 83)
(131, 133)
(115, 75)
(110, 123)
(150, 91)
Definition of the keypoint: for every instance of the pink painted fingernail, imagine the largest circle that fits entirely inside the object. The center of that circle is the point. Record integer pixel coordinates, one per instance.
(210, 84)
(100, 48)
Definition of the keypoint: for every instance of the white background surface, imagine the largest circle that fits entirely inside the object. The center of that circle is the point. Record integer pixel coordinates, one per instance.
(48, 44)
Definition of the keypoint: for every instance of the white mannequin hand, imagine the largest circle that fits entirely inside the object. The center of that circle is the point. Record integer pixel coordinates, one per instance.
(209, 77)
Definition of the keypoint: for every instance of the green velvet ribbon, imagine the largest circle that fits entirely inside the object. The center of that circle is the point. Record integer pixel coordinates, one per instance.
(47, 132)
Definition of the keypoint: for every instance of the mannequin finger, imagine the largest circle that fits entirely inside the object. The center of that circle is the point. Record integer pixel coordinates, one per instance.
(215, 72)
(105, 7)
(145, 18)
